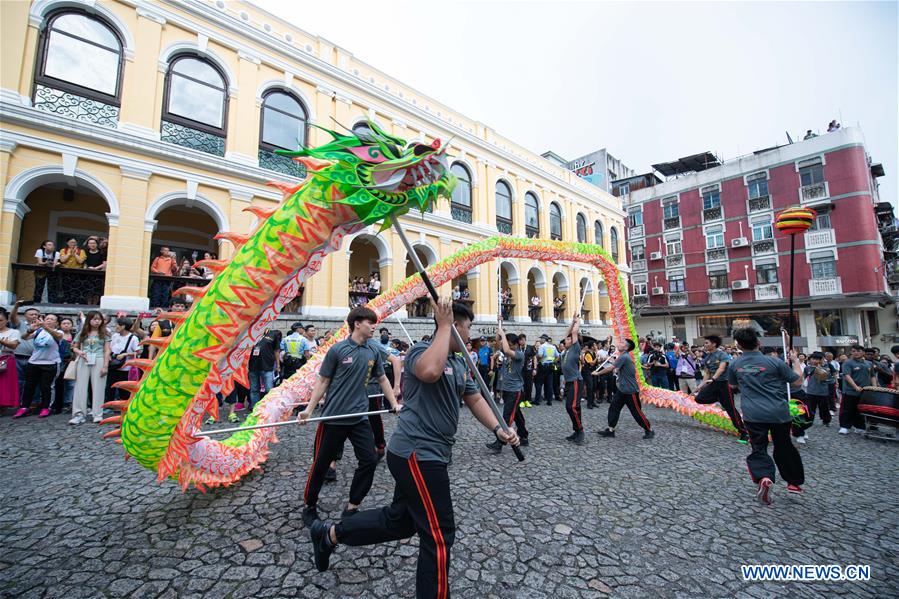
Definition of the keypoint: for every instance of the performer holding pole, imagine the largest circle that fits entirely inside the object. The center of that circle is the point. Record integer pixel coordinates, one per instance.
(511, 384)
(714, 387)
(571, 370)
(342, 376)
(628, 392)
(417, 456)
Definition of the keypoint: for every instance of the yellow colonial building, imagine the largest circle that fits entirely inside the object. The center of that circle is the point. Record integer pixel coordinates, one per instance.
(150, 124)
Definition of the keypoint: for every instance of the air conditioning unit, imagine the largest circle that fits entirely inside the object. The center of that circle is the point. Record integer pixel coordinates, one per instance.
(743, 284)
(739, 242)
(655, 256)
(658, 290)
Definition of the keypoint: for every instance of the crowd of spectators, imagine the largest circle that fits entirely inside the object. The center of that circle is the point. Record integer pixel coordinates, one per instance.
(361, 291)
(60, 272)
(167, 266)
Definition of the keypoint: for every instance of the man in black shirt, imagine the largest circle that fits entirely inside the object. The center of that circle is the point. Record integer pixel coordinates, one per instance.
(265, 362)
(527, 371)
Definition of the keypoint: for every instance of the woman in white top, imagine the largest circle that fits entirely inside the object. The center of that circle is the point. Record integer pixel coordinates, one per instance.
(43, 365)
(9, 380)
(91, 349)
(123, 346)
(46, 256)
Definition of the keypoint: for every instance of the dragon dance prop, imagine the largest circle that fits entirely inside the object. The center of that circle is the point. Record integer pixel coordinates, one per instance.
(353, 181)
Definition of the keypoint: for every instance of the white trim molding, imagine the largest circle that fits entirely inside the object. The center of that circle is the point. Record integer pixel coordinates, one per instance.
(179, 198)
(24, 183)
(165, 58)
(128, 303)
(40, 8)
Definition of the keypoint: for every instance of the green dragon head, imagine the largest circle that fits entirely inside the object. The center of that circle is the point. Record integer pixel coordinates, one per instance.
(377, 174)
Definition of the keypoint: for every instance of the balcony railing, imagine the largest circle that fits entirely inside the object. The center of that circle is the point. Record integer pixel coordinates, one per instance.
(673, 260)
(640, 301)
(672, 223)
(420, 308)
(635, 232)
(716, 254)
(763, 246)
(503, 225)
(532, 232)
(819, 239)
(710, 214)
(677, 299)
(281, 164)
(759, 204)
(76, 107)
(360, 298)
(193, 138)
(831, 286)
(162, 286)
(460, 213)
(77, 286)
(768, 291)
(815, 191)
(638, 264)
(720, 296)
(534, 313)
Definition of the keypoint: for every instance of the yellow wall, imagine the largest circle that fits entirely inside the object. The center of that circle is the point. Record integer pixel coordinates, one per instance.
(138, 171)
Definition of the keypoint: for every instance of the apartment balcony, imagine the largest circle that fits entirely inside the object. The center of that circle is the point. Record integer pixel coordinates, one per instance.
(194, 139)
(819, 239)
(831, 286)
(677, 299)
(720, 296)
(672, 223)
(716, 254)
(763, 246)
(638, 265)
(635, 232)
(759, 204)
(674, 260)
(768, 291)
(640, 301)
(710, 214)
(813, 192)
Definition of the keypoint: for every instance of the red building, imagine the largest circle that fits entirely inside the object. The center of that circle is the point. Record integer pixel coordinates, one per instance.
(706, 259)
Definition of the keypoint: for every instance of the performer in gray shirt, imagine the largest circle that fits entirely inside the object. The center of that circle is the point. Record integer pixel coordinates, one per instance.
(417, 455)
(628, 393)
(574, 380)
(344, 371)
(511, 384)
(762, 381)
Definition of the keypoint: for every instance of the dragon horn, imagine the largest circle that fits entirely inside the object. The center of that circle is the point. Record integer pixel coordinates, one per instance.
(260, 212)
(236, 239)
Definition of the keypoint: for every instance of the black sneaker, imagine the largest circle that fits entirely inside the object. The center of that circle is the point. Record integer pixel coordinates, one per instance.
(649, 434)
(524, 442)
(579, 438)
(347, 512)
(495, 447)
(380, 457)
(330, 475)
(310, 515)
(571, 437)
(606, 433)
(321, 545)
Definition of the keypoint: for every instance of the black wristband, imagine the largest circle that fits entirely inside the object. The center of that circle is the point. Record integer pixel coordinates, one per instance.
(496, 428)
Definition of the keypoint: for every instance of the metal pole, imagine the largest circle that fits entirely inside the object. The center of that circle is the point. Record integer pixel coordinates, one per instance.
(252, 427)
(783, 338)
(485, 391)
(402, 326)
(792, 270)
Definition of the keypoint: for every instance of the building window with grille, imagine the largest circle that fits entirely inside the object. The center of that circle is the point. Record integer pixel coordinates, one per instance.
(635, 218)
(718, 280)
(613, 242)
(581, 226)
(762, 228)
(195, 107)
(670, 210)
(766, 273)
(460, 206)
(638, 252)
(79, 68)
(824, 266)
(711, 197)
(714, 237)
(677, 284)
(503, 207)
(555, 221)
(598, 234)
(822, 220)
(758, 185)
(282, 127)
(640, 284)
(811, 172)
(673, 246)
(531, 215)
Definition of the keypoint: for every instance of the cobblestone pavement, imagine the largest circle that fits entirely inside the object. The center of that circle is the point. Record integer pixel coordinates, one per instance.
(623, 517)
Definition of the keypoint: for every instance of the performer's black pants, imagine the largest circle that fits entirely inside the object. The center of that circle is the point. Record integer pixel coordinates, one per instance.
(544, 382)
(557, 381)
(849, 415)
(832, 396)
(786, 456)
(421, 504)
(632, 401)
(377, 425)
(573, 404)
(512, 413)
(819, 403)
(329, 440)
(719, 391)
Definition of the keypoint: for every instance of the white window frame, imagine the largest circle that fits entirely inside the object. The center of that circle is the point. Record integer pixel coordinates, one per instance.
(674, 238)
(670, 201)
(763, 220)
(808, 161)
(709, 189)
(832, 254)
(640, 245)
(759, 176)
(705, 233)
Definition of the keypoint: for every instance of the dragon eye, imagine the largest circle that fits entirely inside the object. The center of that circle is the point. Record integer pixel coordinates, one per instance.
(421, 150)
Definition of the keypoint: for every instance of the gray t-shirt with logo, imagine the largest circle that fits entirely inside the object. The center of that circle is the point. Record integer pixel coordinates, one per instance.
(348, 365)
(763, 386)
(372, 386)
(714, 359)
(627, 374)
(571, 363)
(512, 380)
(812, 385)
(428, 421)
(860, 372)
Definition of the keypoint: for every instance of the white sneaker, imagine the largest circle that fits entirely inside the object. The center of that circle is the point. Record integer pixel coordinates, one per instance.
(77, 419)
(801, 440)
(805, 436)
(858, 430)
(844, 431)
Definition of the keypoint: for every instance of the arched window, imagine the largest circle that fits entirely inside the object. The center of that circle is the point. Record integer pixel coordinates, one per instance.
(80, 55)
(613, 242)
(195, 107)
(555, 221)
(531, 215)
(581, 228)
(503, 207)
(460, 207)
(598, 234)
(283, 127)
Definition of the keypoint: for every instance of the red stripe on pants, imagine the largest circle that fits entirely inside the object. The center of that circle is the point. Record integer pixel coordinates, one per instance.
(512, 415)
(434, 524)
(574, 406)
(318, 441)
(639, 410)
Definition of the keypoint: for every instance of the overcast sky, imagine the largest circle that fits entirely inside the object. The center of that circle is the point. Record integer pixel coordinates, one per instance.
(650, 81)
